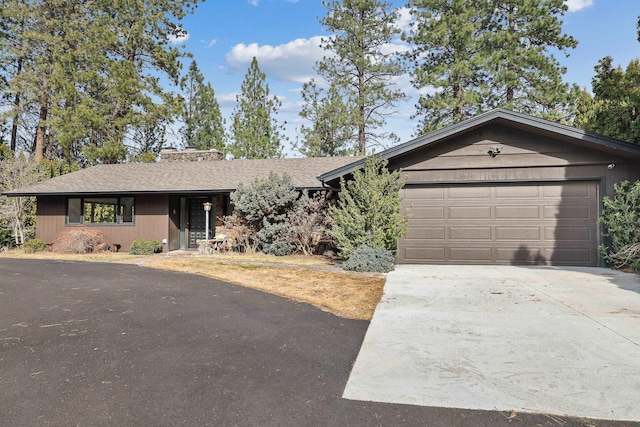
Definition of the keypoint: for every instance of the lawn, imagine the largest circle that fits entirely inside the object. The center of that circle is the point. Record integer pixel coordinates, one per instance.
(313, 280)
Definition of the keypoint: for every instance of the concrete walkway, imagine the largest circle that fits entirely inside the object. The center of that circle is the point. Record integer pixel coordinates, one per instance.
(562, 341)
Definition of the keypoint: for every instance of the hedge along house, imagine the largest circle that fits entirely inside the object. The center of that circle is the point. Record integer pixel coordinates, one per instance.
(160, 201)
(506, 188)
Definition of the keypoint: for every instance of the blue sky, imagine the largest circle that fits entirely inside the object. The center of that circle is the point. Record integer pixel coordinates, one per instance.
(224, 35)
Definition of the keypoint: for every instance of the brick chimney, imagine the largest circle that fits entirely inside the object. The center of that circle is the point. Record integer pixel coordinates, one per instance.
(170, 154)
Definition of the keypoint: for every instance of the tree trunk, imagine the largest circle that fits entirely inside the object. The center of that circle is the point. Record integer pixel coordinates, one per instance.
(16, 115)
(41, 132)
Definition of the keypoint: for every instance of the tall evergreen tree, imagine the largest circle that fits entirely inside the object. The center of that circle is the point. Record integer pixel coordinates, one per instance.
(447, 56)
(359, 66)
(524, 76)
(139, 51)
(256, 133)
(614, 109)
(482, 54)
(332, 127)
(204, 126)
(87, 74)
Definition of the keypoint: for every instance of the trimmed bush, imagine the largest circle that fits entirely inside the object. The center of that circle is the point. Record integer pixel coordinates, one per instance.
(78, 240)
(145, 247)
(379, 260)
(35, 245)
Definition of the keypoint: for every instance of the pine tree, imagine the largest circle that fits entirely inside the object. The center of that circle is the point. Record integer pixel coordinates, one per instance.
(481, 55)
(447, 56)
(524, 76)
(368, 209)
(85, 75)
(332, 127)
(256, 133)
(614, 109)
(204, 126)
(358, 66)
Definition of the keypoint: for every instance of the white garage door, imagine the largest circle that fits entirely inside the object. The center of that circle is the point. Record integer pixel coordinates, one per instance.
(537, 223)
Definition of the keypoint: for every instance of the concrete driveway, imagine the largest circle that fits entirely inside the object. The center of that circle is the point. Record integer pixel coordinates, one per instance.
(562, 341)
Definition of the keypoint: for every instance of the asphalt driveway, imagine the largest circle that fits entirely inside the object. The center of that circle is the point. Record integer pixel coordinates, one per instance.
(562, 341)
(85, 344)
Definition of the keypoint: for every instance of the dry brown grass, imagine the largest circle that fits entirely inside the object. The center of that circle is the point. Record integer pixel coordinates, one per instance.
(313, 280)
(346, 295)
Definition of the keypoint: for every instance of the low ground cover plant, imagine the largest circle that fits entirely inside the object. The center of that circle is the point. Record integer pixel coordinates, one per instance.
(145, 247)
(366, 259)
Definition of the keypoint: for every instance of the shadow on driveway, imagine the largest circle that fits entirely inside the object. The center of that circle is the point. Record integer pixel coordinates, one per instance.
(105, 344)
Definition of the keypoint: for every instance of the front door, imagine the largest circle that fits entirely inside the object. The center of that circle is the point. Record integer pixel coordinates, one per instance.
(197, 220)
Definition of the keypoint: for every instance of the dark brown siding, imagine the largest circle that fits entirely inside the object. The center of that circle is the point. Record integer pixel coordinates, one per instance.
(50, 217)
(151, 220)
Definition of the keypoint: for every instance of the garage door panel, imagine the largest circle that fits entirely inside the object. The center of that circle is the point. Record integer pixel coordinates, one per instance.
(426, 233)
(518, 234)
(520, 192)
(467, 254)
(417, 255)
(426, 213)
(569, 234)
(520, 212)
(470, 233)
(468, 193)
(568, 192)
(469, 212)
(541, 223)
(571, 256)
(522, 254)
(568, 212)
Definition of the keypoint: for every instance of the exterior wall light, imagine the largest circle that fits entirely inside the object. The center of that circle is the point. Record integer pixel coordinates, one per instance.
(207, 209)
(494, 151)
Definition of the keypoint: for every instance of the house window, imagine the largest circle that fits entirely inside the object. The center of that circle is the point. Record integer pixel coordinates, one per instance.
(100, 210)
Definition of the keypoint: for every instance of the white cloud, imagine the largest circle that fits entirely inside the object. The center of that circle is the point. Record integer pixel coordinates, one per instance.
(404, 18)
(576, 5)
(212, 42)
(227, 99)
(180, 38)
(253, 2)
(290, 62)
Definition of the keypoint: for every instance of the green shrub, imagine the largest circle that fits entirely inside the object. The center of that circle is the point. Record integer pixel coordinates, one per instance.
(262, 208)
(78, 240)
(621, 218)
(145, 247)
(364, 258)
(35, 245)
(368, 209)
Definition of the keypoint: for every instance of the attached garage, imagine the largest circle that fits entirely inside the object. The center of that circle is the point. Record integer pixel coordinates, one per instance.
(505, 188)
(521, 223)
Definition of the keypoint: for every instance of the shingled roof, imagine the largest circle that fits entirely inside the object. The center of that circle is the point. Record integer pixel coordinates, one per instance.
(182, 177)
